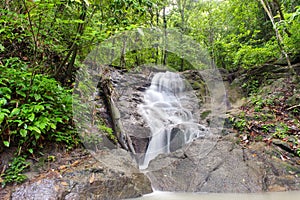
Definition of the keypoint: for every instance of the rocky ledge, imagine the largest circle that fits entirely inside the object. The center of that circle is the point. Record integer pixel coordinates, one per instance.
(106, 175)
(220, 165)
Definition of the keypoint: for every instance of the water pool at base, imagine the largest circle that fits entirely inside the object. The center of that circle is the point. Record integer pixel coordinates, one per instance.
(157, 195)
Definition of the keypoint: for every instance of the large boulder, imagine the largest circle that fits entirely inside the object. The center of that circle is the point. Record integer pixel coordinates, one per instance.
(108, 175)
(219, 165)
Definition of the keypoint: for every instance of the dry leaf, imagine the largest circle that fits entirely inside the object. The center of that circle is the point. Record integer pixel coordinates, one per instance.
(64, 183)
(92, 178)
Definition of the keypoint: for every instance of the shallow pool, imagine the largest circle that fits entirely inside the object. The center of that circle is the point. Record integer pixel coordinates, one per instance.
(294, 195)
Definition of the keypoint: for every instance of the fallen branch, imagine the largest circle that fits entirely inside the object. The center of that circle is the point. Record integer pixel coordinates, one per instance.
(122, 137)
(290, 108)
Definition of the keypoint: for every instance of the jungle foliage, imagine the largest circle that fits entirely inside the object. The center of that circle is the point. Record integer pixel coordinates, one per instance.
(43, 42)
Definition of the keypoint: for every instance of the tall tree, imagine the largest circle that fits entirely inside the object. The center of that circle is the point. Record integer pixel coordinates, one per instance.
(268, 10)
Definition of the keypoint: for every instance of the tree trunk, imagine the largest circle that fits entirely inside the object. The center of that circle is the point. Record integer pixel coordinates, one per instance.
(112, 53)
(181, 6)
(164, 61)
(123, 51)
(123, 138)
(281, 16)
(73, 49)
(157, 48)
(268, 10)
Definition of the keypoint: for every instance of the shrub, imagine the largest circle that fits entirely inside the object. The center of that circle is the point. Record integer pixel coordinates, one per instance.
(34, 109)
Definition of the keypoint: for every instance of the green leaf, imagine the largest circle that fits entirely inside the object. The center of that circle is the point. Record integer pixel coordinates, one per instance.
(20, 122)
(37, 97)
(41, 124)
(38, 108)
(21, 93)
(15, 111)
(7, 96)
(30, 151)
(5, 111)
(31, 117)
(6, 143)
(58, 119)
(2, 116)
(34, 128)
(23, 132)
(49, 97)
(1, 48)
(5, 90)
(3, 101)
(52, 125)
(37, 136)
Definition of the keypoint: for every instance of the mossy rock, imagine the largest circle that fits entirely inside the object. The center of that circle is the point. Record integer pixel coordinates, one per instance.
(205, 114)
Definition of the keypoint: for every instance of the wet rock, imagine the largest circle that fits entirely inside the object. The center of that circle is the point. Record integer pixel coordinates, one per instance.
(112, 175)
(130, 89)
(44, 189)
(218, 165)
(177, 139)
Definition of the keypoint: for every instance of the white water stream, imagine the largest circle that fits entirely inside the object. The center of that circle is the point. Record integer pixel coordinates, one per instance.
(168, 109)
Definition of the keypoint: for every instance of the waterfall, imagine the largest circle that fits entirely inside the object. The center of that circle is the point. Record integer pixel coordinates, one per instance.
(169, 110)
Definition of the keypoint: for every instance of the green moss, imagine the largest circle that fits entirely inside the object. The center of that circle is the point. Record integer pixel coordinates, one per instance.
(196, 85)
(205, 114)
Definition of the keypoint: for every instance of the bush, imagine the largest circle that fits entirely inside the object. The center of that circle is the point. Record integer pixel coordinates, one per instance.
(34, 109)
(14, 171)
(248, 56)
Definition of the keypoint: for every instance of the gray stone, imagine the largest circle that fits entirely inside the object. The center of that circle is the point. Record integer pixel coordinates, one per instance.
(112, 175)
(217, 165)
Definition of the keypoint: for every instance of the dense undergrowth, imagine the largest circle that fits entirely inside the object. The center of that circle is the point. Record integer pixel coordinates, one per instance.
(34, 110)
(272, 115)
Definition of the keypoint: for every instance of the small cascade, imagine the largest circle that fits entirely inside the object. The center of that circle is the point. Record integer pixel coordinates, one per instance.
(169, 110)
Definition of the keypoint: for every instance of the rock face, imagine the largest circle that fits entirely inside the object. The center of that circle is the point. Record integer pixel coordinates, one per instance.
(207, 165)
(112, 175)
(129, 89)
(213, 164)
(218, 165)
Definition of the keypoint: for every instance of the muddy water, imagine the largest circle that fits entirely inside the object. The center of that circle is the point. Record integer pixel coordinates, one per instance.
(295, 195)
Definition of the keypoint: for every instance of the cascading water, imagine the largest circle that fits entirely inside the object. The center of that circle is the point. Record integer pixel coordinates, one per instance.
(169, 110)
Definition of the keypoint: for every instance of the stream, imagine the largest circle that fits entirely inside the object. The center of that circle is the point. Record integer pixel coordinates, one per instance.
(169, 110)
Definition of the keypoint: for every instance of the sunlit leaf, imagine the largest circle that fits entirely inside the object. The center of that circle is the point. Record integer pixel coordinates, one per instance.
(58, 119)
(31, 117)
(30, 151)
(2, 116)
(37, 97)
(34, 128)
(23, 132)
(15, 111)
(3, 101)
(21, 93)
(52, 125)
(6, 143)
(1, 48)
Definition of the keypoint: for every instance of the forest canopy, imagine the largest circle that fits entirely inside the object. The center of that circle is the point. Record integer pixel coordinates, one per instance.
(57, 35)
